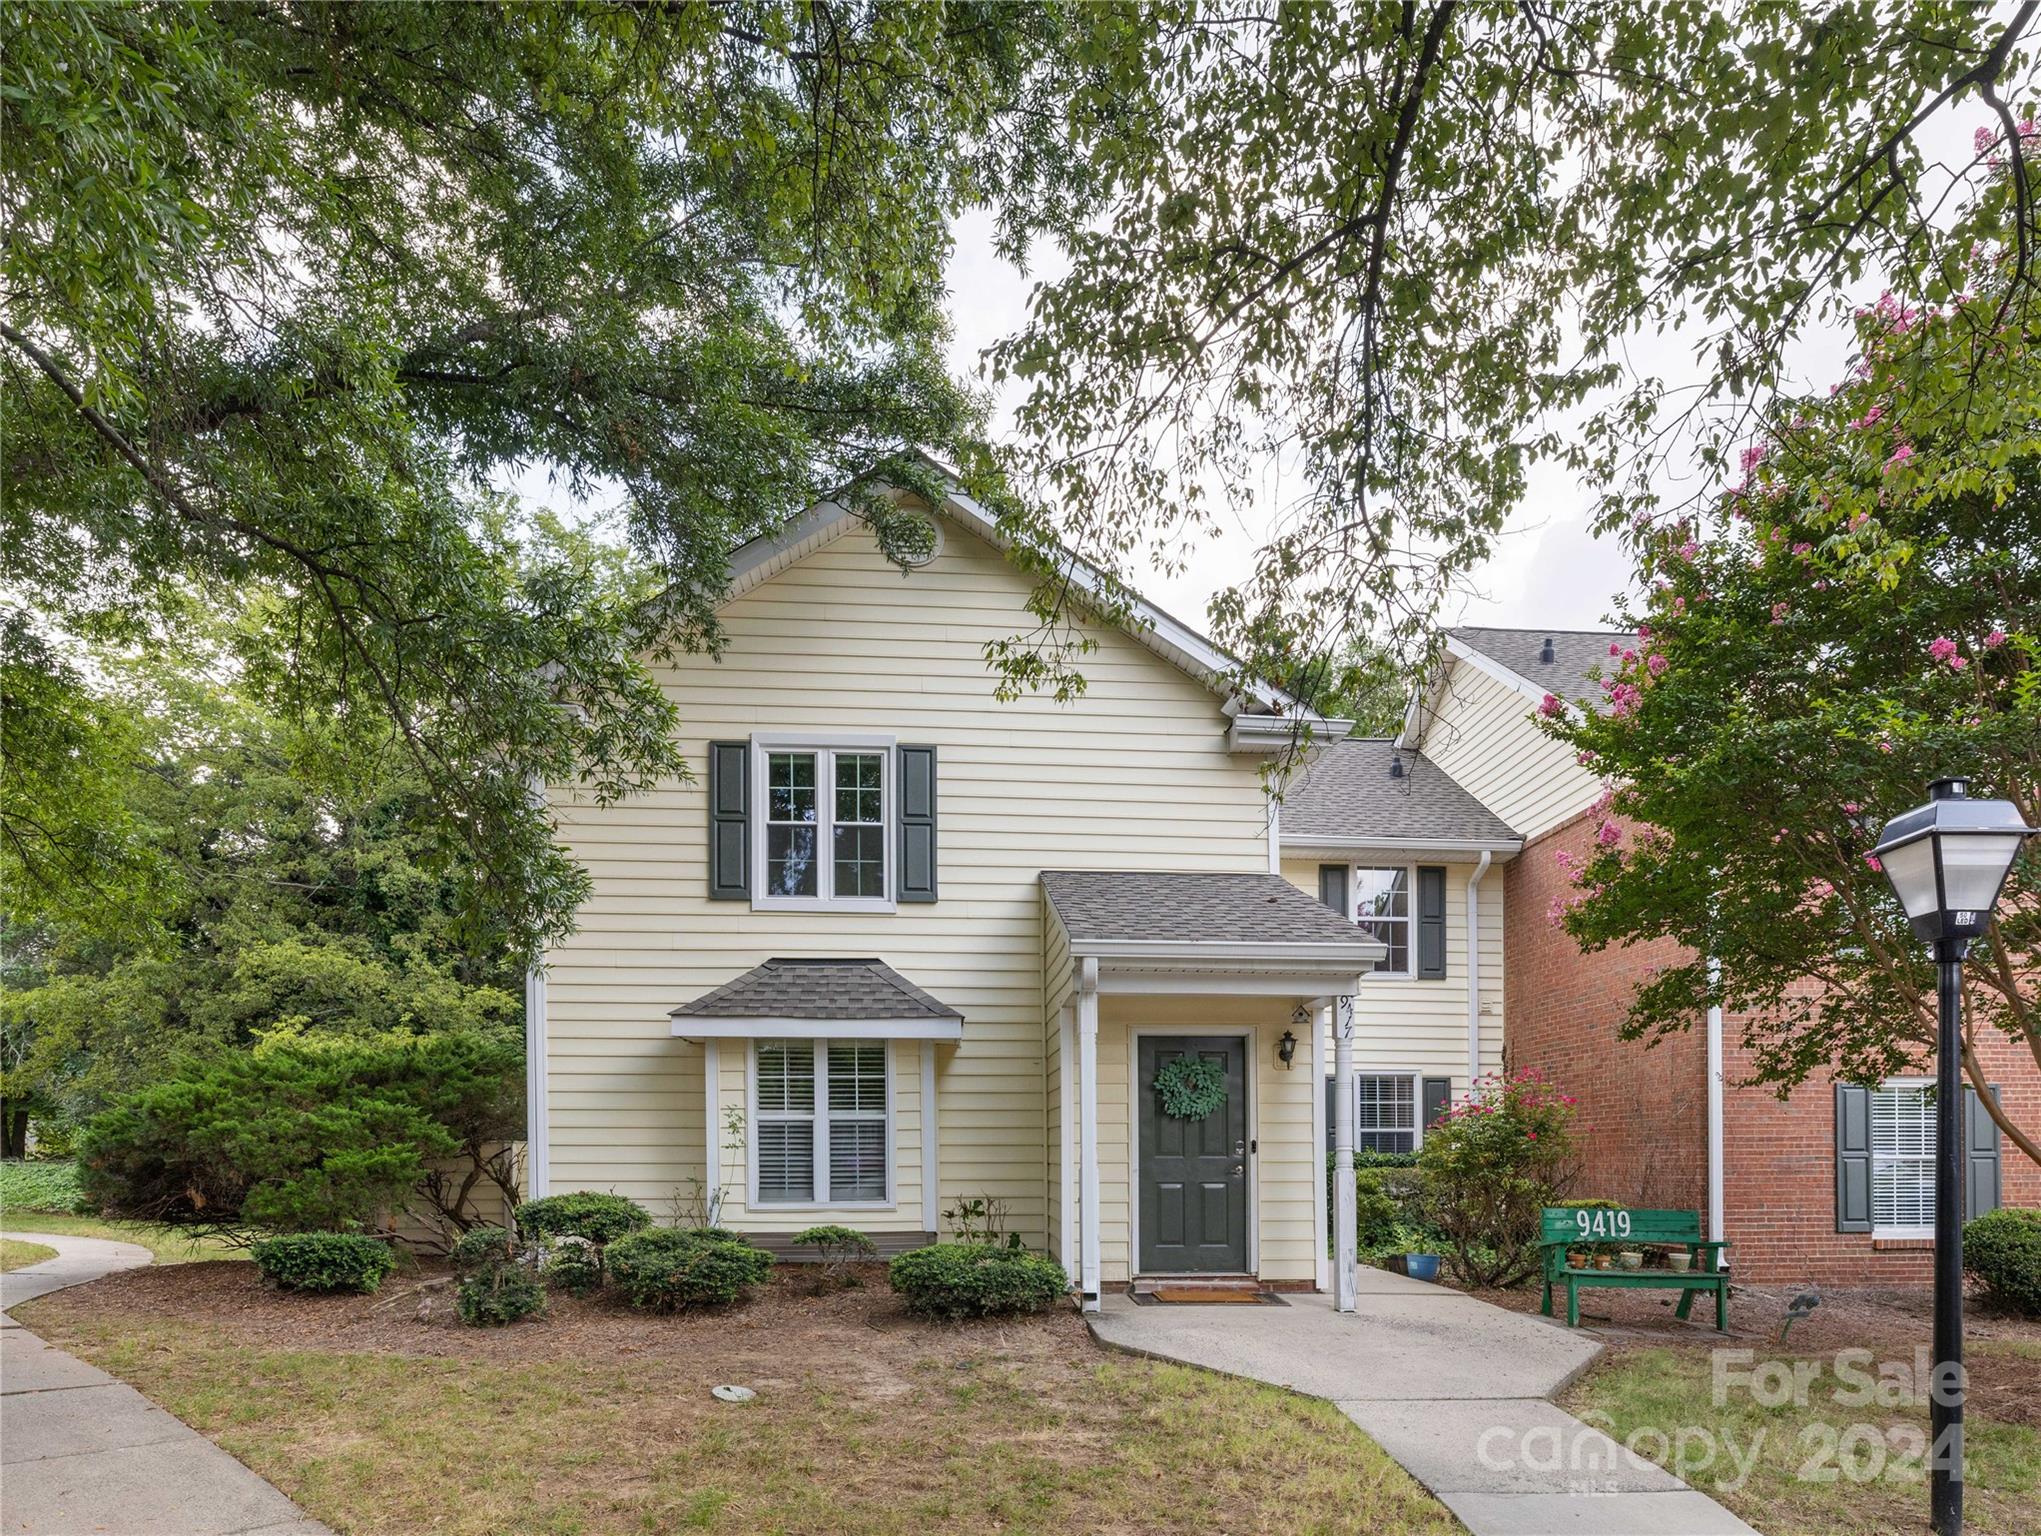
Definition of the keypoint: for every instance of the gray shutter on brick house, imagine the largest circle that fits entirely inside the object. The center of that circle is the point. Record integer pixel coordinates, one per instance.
(729, 821)
(917, 824)
(1981, 1190)
(1431, 922)
(1438, 1093)
(1332, 888)
(1852, 1158)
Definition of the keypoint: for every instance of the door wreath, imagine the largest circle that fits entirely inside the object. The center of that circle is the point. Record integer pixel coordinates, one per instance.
(1191, 1087)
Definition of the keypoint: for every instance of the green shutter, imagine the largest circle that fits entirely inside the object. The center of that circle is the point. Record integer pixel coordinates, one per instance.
(917, 880)
(1852, 1158)
(1981, 1191)
(1431, 922)
(729, 821)
(1438, 1094)
(1332, 888)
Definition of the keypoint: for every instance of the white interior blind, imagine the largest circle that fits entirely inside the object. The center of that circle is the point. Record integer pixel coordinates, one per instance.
(823, 1133)
(1902, 1158)
(1385, 1113)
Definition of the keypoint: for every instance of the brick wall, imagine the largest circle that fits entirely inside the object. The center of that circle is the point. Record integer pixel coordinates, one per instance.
(1646, 1106)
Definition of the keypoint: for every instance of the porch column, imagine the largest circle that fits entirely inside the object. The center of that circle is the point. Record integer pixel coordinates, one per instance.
(712, 1150)
(1321, 1222)
(1345, 1236)
(1066, 1140)
(1087, 1133)
(931, 1160)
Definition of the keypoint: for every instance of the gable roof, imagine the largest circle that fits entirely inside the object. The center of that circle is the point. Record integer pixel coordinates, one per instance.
(1347, 795)
(1150, 625)
(1117, 907)
(1575, 654)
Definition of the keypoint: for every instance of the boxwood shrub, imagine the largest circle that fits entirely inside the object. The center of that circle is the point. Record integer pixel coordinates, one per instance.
(499, 1293)
(573, 1265)
(663, 1269)
(324, 1261)
(976, 1280)
(479, 1247)
(2003, 1249)
(599, 1218)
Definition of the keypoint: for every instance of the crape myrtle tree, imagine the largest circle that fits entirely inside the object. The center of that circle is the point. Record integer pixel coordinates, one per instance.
(1860, 614)
(1397, 250)
(288, 286)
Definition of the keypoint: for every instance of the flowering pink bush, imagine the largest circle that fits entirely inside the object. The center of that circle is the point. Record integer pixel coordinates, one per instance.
(1493, 1162)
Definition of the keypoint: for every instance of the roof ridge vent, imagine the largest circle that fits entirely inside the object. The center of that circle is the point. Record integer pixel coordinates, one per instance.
(1546, 653)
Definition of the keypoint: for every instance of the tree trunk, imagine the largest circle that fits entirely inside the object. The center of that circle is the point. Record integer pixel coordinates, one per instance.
(13, 1131)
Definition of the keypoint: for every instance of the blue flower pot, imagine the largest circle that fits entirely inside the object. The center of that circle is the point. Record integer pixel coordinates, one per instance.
(1421, 1266)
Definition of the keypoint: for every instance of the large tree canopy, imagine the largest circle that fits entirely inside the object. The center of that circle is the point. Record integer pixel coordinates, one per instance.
(1399, 249)
(1864, 617)
(288, 287)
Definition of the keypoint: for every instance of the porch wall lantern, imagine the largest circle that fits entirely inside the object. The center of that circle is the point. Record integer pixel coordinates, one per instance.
(1948, 861)
(1286, 1049)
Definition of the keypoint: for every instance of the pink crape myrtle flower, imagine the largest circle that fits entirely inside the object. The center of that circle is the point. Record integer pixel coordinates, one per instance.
(1550, 706)
(1994, 640)
(1871, 860)
(1900, 455)
(1943, 649)
(1656, 663)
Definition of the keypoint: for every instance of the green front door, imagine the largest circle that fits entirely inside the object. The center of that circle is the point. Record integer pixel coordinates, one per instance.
(1194, 1172)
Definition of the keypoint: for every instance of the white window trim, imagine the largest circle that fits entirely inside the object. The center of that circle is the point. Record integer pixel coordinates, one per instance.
(891, 1202)
(763, 744)
(1416, 1081)
(1893, 1233)
(1353, 901)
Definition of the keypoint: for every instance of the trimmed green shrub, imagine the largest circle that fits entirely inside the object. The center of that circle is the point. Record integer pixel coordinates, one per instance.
(976, 1280)
(573, 1265)
(497, 1294)
(479, 1247)
(599, 1218)
(1492, 1163)
(324, 1261)
(42, 1186)
(2003, 1249)
(836, 1249)
(664, 1269)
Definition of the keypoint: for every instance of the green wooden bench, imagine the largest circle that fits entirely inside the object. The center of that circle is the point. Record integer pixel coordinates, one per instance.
(1570, 1226)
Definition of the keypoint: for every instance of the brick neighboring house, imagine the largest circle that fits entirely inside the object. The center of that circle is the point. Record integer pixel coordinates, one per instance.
(1834, 1182)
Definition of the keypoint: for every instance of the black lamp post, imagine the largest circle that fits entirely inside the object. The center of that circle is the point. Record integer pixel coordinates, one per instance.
(1948, 860)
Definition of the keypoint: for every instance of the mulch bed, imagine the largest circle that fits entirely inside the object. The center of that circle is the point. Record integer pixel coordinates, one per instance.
(788, 1318)
(1890, 1322)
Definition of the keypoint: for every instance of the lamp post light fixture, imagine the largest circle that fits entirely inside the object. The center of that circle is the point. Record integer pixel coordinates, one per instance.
(1947, 861)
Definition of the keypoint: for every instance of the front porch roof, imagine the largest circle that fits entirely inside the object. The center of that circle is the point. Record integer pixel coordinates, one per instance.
(1130, 914)
(818, 999)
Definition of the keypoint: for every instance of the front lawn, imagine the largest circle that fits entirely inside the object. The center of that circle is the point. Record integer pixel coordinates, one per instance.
(170, 1245)
(381, 1414)
(16, 1255)
(1823, 1463)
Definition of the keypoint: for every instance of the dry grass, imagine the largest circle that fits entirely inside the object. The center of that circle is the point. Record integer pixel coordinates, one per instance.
(1815, 1471)
(168, 1244)
(15, 1254)
(597, 1421)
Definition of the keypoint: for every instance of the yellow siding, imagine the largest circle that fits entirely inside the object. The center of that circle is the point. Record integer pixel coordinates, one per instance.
(1482, 733)
(1133, 775)
(1288, 1166)
(1407, 1025)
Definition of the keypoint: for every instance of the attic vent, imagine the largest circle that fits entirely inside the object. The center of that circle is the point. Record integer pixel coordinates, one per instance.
(1545, 652)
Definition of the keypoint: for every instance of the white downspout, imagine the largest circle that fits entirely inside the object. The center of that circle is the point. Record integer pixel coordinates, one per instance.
(1715, 1195)
(1474, 968)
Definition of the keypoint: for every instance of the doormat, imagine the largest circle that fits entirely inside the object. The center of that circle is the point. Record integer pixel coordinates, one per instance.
(1206, 1296)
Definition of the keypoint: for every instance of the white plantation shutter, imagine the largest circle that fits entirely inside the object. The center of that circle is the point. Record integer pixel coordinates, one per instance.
(1902, 1158)
(1385, 1113)
(824, 1133)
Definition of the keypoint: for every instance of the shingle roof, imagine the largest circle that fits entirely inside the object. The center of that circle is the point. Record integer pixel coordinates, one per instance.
(1575, 652)
(1133, 906)
(818, 989)
(1347, 790)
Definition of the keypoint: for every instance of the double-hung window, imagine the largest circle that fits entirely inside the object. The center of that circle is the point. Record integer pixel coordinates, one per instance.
(1385, 1112)
(1903, 1160)
(824, 837)
(822, 1126)
(1381, 898)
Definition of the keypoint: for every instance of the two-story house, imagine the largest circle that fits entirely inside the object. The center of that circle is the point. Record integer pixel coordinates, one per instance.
(898, 943)
(1833, 1181)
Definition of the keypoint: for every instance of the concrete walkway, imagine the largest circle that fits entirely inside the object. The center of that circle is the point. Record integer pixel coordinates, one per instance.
(81, 1454)
(1455, 1389)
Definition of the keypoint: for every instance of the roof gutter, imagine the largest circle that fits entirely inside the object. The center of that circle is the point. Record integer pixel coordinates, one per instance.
(1501, 847)
(1358, 953)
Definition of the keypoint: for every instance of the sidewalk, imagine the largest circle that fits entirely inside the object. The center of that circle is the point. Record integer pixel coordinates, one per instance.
(81, 1454)
(1455, 1389)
